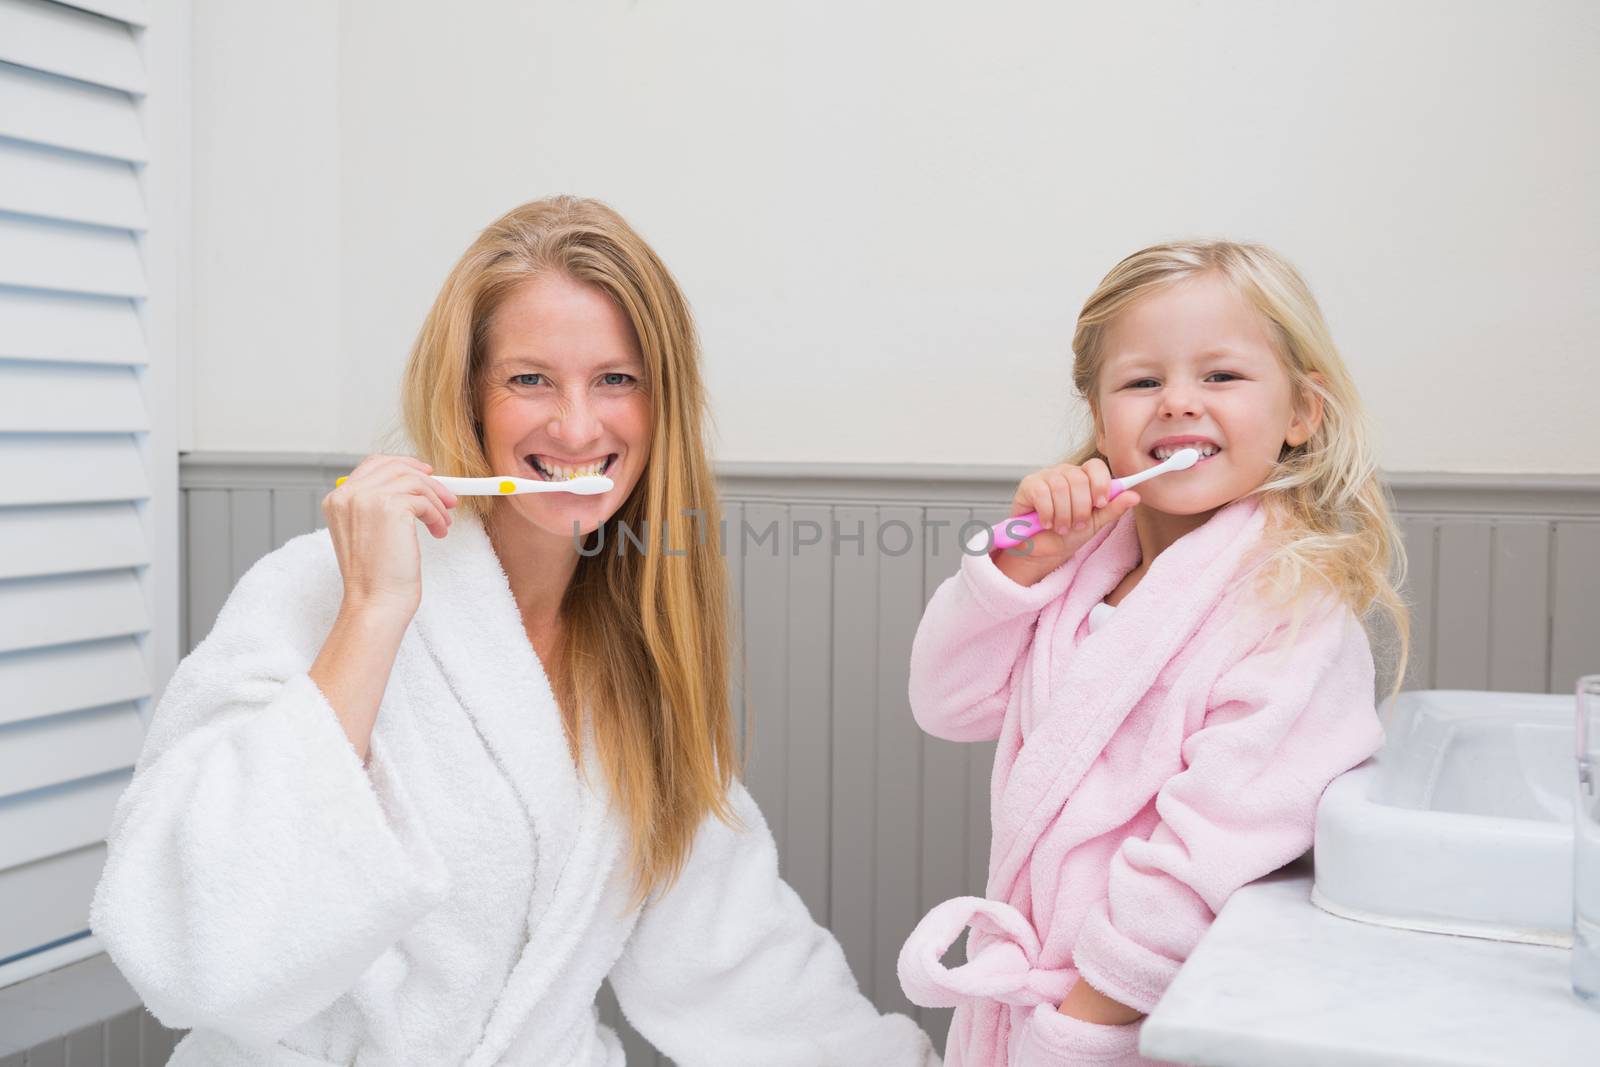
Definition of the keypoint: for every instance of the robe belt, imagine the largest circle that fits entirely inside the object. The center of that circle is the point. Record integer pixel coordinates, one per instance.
(1002, 958)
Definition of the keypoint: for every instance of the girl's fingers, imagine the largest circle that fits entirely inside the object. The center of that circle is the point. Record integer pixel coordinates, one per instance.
(1060, 501)
(1081, 499)
(1099, 481)
(1040, 501)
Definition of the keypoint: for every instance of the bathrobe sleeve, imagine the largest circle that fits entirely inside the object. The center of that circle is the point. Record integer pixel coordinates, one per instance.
(969, 644)
(255, 867)
(1281, 723)
(727, 968)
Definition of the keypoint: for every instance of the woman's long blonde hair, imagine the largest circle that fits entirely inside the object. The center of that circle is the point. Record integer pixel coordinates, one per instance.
(646, 637)
(1330, 522)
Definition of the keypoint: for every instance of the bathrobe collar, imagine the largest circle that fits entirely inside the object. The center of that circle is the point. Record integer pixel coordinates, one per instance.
(471, 628)
(1182, 586)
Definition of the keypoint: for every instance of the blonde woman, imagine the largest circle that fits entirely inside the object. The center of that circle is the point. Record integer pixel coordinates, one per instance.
(1173, 675)
(415, 797)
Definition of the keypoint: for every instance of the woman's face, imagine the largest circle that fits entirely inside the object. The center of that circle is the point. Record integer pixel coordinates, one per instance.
(564, 392)
(1195, 359)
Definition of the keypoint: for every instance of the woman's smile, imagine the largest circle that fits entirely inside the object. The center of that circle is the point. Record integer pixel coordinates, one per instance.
(554, 469)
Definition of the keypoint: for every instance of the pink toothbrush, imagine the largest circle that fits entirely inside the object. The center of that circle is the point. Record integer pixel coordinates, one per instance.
(1006, 533)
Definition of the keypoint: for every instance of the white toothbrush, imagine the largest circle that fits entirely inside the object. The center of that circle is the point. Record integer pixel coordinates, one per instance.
(498, 485)
(583, 485)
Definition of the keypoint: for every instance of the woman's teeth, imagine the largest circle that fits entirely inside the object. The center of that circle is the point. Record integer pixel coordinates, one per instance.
(556, 472)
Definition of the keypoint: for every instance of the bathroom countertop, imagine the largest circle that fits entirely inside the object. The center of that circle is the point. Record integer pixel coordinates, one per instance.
(1277, 980)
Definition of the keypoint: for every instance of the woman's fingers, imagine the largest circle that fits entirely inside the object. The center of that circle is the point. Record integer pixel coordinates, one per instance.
(429, 511)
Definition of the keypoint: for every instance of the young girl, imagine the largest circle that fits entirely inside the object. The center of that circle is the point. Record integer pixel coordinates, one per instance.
(1173, 676)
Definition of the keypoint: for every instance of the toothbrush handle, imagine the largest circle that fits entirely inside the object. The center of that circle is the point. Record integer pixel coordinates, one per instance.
(462, 486)
(476, 486)
(1025, 526)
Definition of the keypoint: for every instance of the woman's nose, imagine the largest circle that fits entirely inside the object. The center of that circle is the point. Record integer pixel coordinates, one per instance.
(576, 422)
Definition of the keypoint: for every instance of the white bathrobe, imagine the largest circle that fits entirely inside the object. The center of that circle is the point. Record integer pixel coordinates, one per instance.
(458, 900)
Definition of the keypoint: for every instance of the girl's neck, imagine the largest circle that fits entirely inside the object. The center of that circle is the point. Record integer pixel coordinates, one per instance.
(1158, 530)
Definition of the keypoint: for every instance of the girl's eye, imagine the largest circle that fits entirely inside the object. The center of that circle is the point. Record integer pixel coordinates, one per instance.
(518, 379)
(618, 378)
(1213, 374)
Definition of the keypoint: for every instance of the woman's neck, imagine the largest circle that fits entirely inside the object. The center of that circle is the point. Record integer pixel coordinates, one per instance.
(539, 566)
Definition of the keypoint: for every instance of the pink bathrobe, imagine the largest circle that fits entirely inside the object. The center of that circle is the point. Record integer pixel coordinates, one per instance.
(1143, 773)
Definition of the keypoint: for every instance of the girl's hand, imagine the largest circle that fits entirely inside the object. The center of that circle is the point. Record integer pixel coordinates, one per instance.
(1072, 505)
(371, 517)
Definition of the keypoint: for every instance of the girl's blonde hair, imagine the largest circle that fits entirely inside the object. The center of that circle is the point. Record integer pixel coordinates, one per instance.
(646, 637)
(1330, 524)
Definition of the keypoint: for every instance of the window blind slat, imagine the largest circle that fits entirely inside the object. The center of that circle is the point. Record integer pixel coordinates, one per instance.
(35, 612)
(70, 398)
(69, 328)
(51, 183)
(48, 822)
(65, 748)
(80, 537)
(48, 900)
(63, 469)
(135, 12)
(70, 42)
(45, 681)
(35, 254)
(45, 109)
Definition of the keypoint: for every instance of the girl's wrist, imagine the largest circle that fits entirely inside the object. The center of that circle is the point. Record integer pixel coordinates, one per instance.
(1021, 569)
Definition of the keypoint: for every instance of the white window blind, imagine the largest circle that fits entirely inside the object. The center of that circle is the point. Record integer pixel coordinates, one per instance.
(76, 542)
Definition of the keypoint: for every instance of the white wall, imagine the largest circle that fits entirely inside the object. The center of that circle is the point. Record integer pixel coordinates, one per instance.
(887, 215)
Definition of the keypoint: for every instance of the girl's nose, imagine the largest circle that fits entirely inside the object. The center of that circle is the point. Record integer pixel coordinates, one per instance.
(1179, 403)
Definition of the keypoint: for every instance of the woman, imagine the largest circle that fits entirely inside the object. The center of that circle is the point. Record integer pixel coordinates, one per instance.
(410, 803)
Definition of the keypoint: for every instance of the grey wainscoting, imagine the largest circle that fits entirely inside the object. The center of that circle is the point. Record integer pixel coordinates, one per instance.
(875, 821)
(80, 1014)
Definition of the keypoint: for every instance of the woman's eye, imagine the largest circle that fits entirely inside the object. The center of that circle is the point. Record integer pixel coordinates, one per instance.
(519, 379)
(617, 378)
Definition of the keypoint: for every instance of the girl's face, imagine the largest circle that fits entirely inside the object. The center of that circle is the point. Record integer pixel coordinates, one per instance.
(1195, 361)
(564, 391)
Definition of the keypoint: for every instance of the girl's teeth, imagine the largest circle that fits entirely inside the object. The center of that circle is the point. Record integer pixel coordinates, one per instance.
(1205, 450)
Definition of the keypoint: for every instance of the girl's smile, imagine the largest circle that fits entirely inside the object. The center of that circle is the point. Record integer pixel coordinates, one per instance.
(1194, 364)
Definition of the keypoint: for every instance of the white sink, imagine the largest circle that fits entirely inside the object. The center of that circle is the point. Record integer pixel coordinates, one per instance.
(1462, 824)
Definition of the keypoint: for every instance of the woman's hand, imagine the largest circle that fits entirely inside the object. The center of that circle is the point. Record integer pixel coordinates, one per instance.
(1072, 503)
(370, 518)
(1086, 1002)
